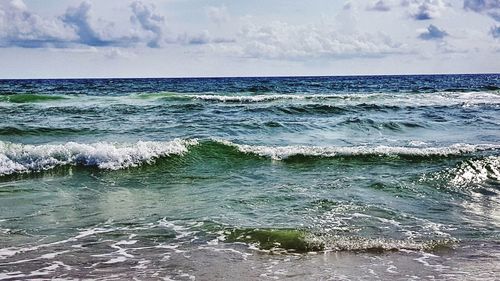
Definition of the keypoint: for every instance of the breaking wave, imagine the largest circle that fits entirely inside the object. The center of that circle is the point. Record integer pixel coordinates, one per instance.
(23, 158)
(293, 240)
(472, 172)
(30, 98)
(284, 152)
(441, 98)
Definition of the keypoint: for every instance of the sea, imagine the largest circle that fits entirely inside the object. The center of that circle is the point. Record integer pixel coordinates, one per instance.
(258, 178)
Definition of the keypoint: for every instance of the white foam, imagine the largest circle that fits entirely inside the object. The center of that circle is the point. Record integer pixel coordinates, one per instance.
(260, 98)
(464, 99)
(283, 152)
(411, 99)
(116, 260)
(476, 171)
(22, 158)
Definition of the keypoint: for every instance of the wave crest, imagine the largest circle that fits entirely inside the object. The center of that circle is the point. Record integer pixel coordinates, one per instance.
(476, 171)
(30, 98)
(389, 99)
(284, 152)
(22, 158)
(301, 241)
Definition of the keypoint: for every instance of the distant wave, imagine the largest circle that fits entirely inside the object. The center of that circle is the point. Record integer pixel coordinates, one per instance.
(214, 97)
(30, 98)
(440, 98)
(336, 99)
(264, 98)
(37, 131)
(284, 152)
(23, 158)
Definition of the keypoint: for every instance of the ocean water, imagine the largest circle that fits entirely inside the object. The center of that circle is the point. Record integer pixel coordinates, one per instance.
(298, 178)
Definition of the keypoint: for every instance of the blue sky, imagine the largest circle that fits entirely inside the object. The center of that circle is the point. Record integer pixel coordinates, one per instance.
(179, 38)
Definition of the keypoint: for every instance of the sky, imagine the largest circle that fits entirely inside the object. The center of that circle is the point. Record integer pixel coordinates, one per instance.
(200, 38)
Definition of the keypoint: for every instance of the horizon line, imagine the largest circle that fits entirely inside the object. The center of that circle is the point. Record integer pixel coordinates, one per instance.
(250, 76)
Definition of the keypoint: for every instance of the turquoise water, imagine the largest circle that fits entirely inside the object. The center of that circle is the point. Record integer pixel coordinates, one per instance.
(391, 177)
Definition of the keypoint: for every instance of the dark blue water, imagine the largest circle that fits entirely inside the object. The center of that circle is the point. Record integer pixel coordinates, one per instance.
(369, 177)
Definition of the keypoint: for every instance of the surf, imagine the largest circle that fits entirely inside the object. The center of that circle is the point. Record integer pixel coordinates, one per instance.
(18, 158)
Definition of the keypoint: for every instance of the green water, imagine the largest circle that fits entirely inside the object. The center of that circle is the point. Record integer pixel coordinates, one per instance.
(299, 178)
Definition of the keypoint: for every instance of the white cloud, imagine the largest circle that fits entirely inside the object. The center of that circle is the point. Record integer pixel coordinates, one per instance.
(379, 6)
(149, 20)
(201, 38)
(495, 32)
(218, 15)
(79, 18)
(489, 7)
(194, 39)
(22, 28)
(311, 35)
(433, 33)
(279, 40)
(115, 53)
(425, 9)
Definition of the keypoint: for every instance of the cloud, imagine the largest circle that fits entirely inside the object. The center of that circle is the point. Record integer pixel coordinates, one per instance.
(379, 6)
(194, 39)
(150, 21)
(424, 9)
(115, 53)
(495, 31)
(78, 18)
(22, 28)
(489, 7)
(433, 33)
(481, 5)
(200, 38)
(217, 15)
(279, 40)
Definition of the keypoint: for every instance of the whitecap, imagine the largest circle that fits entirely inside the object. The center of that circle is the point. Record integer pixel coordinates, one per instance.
(23, 158)
(284, 152)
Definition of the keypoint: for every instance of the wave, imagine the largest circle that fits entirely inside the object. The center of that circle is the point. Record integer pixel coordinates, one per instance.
(262, 98)
(310, 108)
(474, 172)
(30, 98)
(240, 98)
(23, 158)
(37, 131)
(301, 241)
(284, 152)
(363, 100)
(479, 170)
(367, 124)
(440, 98)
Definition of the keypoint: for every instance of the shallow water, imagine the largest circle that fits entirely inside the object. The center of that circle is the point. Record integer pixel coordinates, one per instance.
(355, 178)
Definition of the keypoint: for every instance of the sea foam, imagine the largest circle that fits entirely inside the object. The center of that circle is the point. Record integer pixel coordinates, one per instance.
(396, 99)
(284, 152)
(476, 171)
(22, 158)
